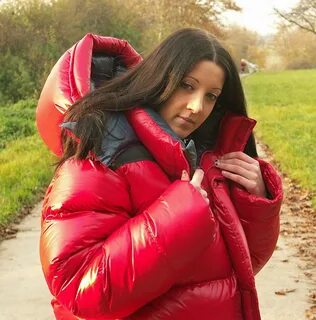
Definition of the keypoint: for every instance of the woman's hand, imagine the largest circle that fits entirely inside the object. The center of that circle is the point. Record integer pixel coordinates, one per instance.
(196, 181)
(241, 168)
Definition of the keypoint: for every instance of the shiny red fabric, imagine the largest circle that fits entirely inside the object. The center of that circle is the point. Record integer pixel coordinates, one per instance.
(138, 243)
(69, 80)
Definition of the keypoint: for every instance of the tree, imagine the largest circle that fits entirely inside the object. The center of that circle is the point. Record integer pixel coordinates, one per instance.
(245, 44)
(296, 48)
(303, 15)
(159, 18)
(34, 33)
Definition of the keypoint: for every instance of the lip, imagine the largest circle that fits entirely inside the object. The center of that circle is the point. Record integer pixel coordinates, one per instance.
(189, 120)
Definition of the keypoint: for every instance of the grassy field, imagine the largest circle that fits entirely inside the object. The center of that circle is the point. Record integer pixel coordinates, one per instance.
(284, 104)
(16, 121)
(25, 163)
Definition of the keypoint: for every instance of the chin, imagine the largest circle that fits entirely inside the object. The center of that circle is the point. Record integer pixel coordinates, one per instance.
(182, 135)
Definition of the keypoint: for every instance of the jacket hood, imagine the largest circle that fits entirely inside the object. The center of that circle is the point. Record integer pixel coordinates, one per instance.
(71, 78)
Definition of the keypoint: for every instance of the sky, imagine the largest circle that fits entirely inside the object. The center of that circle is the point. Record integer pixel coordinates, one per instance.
(258, 15)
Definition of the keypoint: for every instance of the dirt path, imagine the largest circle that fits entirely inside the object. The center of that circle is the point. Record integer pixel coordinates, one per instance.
(286, 286)
(23, 291)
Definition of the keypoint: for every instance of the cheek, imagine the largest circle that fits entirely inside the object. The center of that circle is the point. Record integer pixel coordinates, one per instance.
(169, 110)
(166, 112)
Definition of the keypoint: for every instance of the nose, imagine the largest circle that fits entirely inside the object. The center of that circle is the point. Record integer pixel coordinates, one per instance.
(195, 104)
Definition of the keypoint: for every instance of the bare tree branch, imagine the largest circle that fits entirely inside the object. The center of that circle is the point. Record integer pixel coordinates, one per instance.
(302, 16)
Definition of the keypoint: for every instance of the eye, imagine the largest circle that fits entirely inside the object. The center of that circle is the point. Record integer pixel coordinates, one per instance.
(211, 96)
(187, 86)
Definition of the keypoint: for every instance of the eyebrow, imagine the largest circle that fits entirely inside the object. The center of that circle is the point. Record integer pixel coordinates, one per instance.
(220, 89)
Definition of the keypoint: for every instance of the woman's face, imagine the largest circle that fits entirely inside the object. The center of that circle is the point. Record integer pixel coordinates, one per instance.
(193, 101)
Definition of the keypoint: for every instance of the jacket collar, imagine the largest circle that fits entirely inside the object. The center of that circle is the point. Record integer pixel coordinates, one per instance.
(169, 151)
(172, 154)
(234, 133)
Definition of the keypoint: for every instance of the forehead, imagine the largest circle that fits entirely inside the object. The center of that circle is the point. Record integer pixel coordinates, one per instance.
(207, 73)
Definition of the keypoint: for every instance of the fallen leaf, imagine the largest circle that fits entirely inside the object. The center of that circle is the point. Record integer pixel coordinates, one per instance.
(283, 292)
(308, 274)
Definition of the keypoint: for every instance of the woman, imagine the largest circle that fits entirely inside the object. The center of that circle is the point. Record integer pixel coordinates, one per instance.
(155, 211)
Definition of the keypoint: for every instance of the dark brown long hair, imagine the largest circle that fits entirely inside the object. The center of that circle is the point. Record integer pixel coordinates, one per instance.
(150, 84)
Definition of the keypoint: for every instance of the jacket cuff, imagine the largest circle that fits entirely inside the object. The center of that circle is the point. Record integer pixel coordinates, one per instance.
(252, 207)
(183, 225)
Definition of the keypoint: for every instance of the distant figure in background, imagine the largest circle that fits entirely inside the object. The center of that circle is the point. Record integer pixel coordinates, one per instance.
(247, 66)
(243, 65)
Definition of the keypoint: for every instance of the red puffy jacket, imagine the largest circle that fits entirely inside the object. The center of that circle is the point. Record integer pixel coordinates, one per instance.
(138, 243)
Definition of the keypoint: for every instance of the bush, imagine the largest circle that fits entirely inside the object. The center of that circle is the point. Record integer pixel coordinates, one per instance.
(16, 82)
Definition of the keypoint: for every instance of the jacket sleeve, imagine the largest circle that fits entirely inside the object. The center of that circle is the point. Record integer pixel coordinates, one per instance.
(260, 216)
(101, 263)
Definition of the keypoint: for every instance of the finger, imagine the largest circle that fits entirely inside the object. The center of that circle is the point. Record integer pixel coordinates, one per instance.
(250, 172)
(239, 171)
(203, 193)
(254, 187)
(185, 176)
(251, 167)
(239, 155)
(197, 177)
(237, 162)
(248, 184)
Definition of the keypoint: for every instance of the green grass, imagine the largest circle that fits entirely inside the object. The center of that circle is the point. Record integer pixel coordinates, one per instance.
(25, 163)
(284, 104)
(25, 169)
